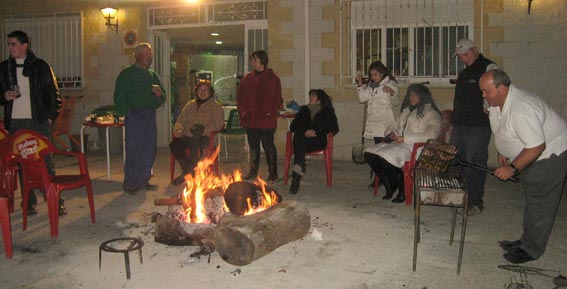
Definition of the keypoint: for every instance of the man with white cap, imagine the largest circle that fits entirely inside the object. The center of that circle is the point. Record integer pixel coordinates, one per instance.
(471, 128)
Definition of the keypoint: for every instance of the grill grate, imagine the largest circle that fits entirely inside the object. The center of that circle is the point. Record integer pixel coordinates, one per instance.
(450, 179)
(436, 156)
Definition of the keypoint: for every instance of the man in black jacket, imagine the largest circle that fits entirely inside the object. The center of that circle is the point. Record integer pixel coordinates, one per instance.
(310, 128)
(30, 95)
(471, 128)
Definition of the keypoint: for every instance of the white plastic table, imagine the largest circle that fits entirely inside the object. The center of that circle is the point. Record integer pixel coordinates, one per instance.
(107, 127)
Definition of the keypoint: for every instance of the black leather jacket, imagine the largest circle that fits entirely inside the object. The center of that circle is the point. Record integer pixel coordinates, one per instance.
(44, 92)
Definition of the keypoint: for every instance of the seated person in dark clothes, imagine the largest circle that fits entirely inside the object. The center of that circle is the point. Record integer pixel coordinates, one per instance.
(310, 128)
(191, 132)
(419, 121)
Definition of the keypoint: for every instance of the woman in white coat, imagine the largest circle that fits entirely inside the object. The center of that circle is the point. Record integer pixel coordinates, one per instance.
(381, 96)
(419, 121)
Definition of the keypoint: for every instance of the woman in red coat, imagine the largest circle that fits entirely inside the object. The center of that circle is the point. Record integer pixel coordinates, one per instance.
(259, 100)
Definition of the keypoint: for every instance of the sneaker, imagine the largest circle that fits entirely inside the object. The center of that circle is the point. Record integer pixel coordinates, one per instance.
(131, 191)
(32, 211)
(473, 210)
(62, 209)
(151, 187)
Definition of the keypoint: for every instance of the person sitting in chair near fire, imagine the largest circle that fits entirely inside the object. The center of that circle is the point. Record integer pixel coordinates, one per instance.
(419, 121)
(196, 121)
(310, 128)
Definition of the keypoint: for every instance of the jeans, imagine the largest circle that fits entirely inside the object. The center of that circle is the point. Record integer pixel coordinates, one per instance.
(141, 138)
(472, 143)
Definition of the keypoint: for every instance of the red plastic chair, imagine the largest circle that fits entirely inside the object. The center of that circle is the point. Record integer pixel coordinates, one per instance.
(327, 155)
(62, 125)
(28, 149)
(8, 172)
(208, 151)
(446, 128)
(6, 227)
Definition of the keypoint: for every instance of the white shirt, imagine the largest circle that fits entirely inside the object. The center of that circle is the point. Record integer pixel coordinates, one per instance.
(526, 121)
(21, 108)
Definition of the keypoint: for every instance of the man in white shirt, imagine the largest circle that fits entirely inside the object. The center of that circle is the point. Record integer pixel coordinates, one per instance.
(30, 96)
(532, 144)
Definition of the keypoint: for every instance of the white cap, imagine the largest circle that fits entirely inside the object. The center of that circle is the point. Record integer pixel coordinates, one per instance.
(463, 46)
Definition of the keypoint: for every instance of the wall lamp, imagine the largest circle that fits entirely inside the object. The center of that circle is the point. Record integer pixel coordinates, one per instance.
(111, 16)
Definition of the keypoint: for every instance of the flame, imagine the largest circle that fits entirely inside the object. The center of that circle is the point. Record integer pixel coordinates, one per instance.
(269, 199)
(205, 181)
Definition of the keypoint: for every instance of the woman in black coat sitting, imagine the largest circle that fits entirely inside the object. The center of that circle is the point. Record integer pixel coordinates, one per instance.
(310, 128)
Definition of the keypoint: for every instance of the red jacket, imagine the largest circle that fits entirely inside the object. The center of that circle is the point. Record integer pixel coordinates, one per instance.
(259, 99)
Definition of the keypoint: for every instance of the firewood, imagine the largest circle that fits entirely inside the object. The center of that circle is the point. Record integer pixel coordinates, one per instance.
(237, 193)
(170, 231)
(167, 201)
(243, 239)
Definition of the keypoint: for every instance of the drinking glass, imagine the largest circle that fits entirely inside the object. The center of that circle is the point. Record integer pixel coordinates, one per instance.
(16, 88)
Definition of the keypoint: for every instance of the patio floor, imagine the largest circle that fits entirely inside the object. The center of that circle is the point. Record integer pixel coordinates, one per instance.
(366, 242)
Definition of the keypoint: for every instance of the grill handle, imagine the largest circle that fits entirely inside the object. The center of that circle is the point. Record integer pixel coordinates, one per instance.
(484, 169)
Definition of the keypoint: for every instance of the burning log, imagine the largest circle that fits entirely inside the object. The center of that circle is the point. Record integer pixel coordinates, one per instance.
(238, 194)
(241, 240)
(170, 231)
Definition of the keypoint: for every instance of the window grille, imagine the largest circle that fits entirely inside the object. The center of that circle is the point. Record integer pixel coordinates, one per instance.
(55, 38)
(414, 38)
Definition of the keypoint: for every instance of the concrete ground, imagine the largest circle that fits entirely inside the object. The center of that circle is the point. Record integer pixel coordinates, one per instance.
(365, 242)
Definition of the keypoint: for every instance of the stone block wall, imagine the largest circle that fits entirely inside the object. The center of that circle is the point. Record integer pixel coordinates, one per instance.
(533, 50)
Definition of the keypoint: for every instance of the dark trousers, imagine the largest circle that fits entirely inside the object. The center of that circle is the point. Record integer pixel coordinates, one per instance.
(266, 137)
(141, 137)
(303, 145)
(544, 182)
(472, 143)
(188, 151)
(391, 176)
(44, 129)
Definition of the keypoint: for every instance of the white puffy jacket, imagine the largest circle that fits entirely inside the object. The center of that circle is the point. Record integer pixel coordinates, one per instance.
(381, 107)
(414, 130)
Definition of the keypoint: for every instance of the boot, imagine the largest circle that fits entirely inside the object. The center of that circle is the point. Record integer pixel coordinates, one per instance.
(401, 197)
(254, 164)
(296, 179)
(390, 189)
(272, 160)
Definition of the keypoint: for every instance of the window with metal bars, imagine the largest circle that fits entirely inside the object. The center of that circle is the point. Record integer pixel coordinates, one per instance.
(55, 38)
(414, 38)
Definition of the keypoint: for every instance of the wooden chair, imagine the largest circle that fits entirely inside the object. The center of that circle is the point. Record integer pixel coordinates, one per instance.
(444, 136)
(208, 152)
(29, 149)
(327, 154)
(62, 124)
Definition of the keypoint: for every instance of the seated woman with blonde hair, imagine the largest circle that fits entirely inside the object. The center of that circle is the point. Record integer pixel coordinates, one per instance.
(419, 121)
(196, 121)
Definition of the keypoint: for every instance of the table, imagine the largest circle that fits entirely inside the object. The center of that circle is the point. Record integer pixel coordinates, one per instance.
(107, 127)
(287, 115)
